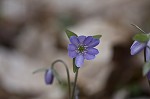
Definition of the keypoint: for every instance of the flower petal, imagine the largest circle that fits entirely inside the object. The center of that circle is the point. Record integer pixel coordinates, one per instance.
(81, 39)
(74, 40)
(71, 47)
(148, 75)
(147, 51)
(72, 54)
(79, 60)
(49, 77)
(89, 56)
(88, 40)
(137, 47)
(92, 51)
(94, 42)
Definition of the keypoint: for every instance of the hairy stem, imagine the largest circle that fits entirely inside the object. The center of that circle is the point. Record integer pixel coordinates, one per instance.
(74, 85)
(67, 71)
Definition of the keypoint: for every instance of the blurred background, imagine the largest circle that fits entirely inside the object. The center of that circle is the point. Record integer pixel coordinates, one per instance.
(32, 36)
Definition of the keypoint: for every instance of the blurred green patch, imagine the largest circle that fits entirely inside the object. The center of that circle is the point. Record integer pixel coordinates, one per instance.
(66, 20)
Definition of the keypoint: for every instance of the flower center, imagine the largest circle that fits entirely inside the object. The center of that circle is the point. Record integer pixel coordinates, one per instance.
(81, 49)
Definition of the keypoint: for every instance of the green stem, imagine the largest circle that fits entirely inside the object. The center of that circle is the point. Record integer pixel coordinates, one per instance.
(74, 85)
(68, 75)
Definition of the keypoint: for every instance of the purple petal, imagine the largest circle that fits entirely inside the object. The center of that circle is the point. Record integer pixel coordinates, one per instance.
(148, 75)
(71, 47)
(49, 77)
(81, 39)
(72, 54)
(148, 51)
(94, 42)
(89, 56)
(74, 40)
(92, 51)
(88, 40)
(79, 60)
(137, 47)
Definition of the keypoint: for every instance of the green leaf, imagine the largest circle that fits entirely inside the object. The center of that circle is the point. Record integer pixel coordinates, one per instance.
(63, 84)
(134, 89)
(97, 36)
(146, 68)
(141, 37)
(57, 76)
(70, 33)
(75, 68)
(39, 70)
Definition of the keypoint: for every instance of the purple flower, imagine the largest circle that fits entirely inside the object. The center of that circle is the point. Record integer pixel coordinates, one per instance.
(81, 48)
(138, 47)
(148, 75)
(49, 76)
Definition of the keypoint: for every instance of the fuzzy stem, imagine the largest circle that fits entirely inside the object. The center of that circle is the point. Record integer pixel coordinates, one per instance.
(68, 75)
(75, 82)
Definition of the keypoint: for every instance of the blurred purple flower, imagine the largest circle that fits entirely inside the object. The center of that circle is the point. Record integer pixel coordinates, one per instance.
(148, 75)
(138, 47)
(81, 48)
(49, 76)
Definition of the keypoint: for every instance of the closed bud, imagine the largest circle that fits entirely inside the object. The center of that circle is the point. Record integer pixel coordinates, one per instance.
(49, 76)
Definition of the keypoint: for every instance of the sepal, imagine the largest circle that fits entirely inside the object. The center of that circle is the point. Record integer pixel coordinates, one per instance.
(146, 68)
(70, 33)
(97, 36)
(141, 37)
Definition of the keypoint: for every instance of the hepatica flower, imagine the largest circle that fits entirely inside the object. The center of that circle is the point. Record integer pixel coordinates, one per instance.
(139, 46)
(81, 48)
(142, 42)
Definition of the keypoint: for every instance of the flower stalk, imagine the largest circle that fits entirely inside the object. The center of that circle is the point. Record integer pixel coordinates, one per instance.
(67, 71)
(74, 85)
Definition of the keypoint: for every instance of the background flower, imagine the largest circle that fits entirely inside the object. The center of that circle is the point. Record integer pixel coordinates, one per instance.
(138, 47)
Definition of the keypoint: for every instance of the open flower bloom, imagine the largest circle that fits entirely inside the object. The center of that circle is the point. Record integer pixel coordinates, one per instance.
(138, 47)
(81, 48)
(49, 77)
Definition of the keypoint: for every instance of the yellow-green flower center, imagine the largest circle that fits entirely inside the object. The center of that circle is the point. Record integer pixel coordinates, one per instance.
(81, 49)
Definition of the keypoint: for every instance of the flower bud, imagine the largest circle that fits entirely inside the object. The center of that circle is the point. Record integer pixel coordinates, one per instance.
(49, 76)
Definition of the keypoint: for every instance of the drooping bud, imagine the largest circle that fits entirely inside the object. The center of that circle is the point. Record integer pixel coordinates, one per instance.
(49, 76)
